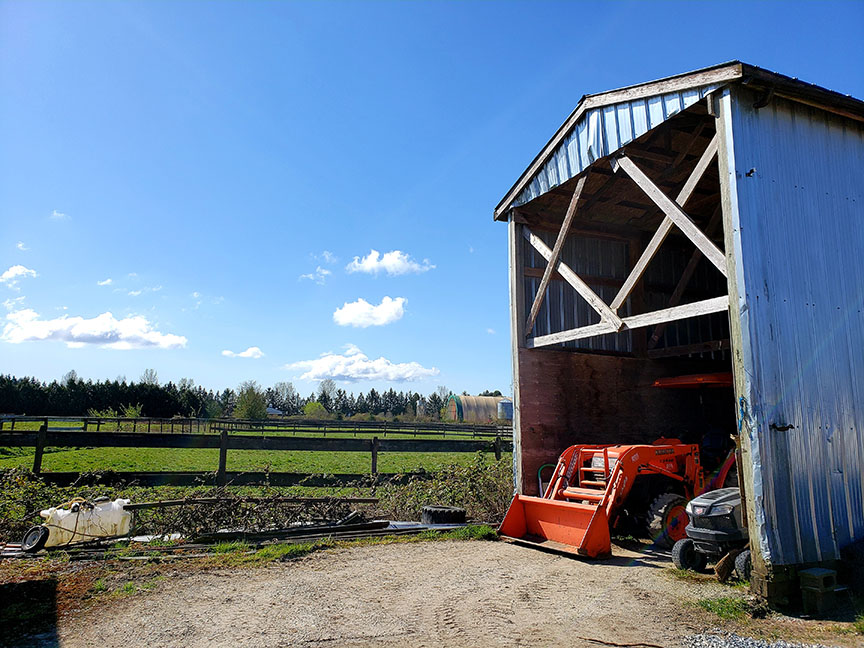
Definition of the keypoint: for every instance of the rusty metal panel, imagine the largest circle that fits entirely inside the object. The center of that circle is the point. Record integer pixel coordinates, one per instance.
(797, 230)
(602, 131)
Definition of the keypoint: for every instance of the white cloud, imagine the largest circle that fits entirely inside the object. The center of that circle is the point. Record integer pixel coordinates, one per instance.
(20, 245)
(319, 276)
(490, 331)
(393, 263)
(14, 274)
(105, 282)
(354, 365)
(135, 293)
(251, 352)
(362, 314)
(12, 304)
(57, 215)
(327, 257)
(105, 330)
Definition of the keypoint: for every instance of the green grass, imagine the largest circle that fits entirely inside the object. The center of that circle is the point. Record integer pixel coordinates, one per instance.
(725, 607)
(126, 589)
(858, 624)
(207, 460)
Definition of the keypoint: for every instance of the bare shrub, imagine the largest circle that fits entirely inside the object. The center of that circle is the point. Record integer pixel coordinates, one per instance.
(483, 488)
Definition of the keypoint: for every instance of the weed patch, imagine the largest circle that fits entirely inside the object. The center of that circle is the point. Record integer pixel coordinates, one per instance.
(725, 607)
(126, 589)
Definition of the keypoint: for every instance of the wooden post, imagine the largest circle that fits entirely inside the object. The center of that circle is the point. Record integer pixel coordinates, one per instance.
(40, 447)
(223, 458)
(497, 446)
(375, 455)
(98, 424)
(516, 272)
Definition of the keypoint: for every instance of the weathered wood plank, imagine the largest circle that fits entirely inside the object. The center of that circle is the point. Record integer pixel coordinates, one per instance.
(576, 281)
(689, 270)
(552, 261)
(695, 309)
(674, 212)
(238, 442)
(665, 227)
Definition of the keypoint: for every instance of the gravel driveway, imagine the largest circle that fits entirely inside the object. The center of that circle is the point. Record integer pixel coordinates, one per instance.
(421, 594)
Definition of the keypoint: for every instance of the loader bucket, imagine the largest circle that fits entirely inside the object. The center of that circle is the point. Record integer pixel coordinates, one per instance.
(559, 525)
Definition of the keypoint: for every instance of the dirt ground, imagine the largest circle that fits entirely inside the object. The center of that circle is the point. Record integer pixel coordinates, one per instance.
(419, 594)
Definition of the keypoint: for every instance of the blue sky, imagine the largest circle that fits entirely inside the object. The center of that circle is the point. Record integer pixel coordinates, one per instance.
(204, 157)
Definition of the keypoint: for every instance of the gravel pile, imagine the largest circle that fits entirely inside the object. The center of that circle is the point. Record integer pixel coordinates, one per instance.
(732, 640)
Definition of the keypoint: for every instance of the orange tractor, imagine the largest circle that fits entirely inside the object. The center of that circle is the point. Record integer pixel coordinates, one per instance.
(591, 486)
(595, 488)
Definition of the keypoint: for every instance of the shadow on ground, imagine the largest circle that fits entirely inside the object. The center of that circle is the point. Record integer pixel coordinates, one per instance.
(28, 614)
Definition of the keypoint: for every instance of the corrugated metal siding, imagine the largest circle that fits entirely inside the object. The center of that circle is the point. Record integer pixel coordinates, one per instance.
(563, 309)
(800, 274)
(476, 409)
(601, 131)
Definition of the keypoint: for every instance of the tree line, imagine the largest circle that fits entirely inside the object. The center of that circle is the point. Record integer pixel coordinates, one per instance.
(73, 396)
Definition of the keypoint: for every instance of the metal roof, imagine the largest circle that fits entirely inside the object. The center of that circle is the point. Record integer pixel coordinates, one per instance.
(604, 122)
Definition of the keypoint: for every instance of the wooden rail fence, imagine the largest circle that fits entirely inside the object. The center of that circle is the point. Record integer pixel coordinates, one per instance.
(49, 434)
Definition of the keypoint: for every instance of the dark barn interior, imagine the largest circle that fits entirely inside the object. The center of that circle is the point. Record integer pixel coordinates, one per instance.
(596, 387)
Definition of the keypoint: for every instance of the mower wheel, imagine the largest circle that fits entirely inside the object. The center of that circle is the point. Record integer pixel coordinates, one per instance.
(685, 556)
(442, 515)
(34, 539)
(667, 519)
(743, 565)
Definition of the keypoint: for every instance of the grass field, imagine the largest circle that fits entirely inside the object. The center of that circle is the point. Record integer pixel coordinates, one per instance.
(182, 459)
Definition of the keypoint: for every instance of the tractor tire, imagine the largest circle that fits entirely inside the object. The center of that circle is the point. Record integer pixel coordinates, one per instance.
(34, 539)
(667, 519)
(442, 515)
(685, 556)
(743, 565)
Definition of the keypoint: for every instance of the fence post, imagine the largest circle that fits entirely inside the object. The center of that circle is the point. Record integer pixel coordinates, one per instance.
(223, 457)
(375, 455)
(497, 446)
(40, 447)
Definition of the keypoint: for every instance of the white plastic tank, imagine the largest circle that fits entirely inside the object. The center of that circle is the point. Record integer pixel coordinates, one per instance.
(84, 521)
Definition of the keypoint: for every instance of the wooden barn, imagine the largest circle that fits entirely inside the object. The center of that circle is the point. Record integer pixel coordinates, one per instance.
(706, 224)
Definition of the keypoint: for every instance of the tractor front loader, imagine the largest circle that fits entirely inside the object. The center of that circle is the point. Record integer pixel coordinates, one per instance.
(594, 487)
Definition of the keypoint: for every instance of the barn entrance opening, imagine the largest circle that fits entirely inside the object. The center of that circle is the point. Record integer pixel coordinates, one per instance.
(620, 302)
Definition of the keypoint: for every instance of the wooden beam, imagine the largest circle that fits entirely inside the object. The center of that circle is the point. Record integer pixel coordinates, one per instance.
(675, 299)
(689, 349)
(666, 226)
(574, 280)
(673, 211)
(552, 262)
(696, 309)
(704, 307)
